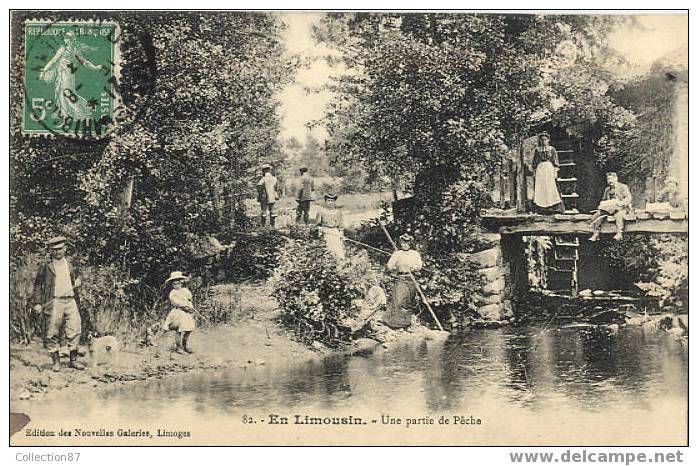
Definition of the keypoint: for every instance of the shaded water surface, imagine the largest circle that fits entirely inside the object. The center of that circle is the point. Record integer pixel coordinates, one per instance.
(530, 367)
(504, 374)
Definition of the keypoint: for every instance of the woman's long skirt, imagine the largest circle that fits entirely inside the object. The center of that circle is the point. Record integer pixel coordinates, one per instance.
(333, 241)
(546, 195)
(402, 302)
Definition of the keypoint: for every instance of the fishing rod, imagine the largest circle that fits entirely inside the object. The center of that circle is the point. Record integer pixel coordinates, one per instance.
(414, 280)
(366, 245)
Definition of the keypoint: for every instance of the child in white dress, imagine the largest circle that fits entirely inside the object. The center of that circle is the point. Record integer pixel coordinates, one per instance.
(179, 319)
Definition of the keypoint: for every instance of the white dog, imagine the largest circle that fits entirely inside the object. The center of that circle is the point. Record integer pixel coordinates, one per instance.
(103, 350)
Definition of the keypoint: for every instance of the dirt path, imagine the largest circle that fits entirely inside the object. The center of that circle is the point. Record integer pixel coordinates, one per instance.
(252, 339)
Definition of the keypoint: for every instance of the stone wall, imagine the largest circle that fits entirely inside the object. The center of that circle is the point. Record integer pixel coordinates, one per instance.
(494, 298)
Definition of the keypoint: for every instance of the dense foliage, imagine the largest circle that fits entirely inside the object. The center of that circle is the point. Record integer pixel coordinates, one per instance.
(197, 115)
(316, 294)
(435, 101)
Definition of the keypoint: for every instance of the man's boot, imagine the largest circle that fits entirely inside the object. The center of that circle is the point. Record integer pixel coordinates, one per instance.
(74, 364)
(56, 358)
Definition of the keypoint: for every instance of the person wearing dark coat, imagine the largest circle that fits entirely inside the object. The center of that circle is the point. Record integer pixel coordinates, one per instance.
(56, 295)
(305, 196)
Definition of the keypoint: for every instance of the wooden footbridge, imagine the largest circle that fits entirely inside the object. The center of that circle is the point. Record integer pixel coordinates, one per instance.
(507, 222)
(566, 231)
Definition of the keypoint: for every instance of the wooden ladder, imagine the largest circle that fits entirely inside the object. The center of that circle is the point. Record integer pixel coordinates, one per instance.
(563, 273)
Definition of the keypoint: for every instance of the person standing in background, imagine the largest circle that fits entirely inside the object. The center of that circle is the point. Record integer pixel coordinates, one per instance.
(267, 196)
(305, 196)
(329, 221)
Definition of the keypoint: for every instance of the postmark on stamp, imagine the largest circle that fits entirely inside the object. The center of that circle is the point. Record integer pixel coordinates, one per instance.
(70, 77)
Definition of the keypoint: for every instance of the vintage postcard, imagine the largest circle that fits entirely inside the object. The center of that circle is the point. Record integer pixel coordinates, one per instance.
(348, 228)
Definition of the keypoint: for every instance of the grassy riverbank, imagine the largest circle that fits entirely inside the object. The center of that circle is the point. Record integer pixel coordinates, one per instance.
(252, 338)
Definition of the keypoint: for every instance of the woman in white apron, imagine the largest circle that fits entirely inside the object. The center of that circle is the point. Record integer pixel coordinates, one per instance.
(546, 164)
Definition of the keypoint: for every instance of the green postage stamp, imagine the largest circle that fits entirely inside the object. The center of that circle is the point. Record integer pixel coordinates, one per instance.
(70, 71)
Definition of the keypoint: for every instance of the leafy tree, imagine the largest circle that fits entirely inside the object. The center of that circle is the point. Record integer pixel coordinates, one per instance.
(198, 116)
(435, 100)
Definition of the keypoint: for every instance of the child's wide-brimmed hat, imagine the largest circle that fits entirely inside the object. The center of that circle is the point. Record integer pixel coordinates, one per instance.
(176, 276)
(330, 197)
(407, 238)
(266, 166)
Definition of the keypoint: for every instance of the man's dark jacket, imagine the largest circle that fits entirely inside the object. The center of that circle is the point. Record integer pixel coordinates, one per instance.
(45, 282)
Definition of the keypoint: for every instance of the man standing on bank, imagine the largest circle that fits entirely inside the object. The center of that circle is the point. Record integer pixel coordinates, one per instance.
(56, 294)
(267, 188)
(305, 195)
(616, 201)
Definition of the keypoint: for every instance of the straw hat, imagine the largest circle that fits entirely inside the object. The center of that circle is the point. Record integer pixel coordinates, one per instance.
(177, 275)
(407, 238)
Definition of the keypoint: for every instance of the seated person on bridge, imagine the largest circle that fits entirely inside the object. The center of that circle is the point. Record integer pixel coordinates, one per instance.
(616, 201)
(670, 194)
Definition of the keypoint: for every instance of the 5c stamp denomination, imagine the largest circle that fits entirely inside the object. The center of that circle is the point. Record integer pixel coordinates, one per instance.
(69, 77)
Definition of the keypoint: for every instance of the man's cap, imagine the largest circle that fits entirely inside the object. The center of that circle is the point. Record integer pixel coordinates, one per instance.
(266, 166)
(612, 174)
(303, 168)
(544, 134)
(56, 242)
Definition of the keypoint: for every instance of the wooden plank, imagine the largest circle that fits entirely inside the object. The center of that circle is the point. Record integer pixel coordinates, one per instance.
(583, 228)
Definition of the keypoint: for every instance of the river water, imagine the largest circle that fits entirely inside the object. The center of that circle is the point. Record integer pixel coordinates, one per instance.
(526, 385)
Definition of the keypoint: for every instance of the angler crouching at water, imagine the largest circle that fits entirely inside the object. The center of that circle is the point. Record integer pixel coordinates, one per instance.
(329, 221)
(403, 298)
(179, 319)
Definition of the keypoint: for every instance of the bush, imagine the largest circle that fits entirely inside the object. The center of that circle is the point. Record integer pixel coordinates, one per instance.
(670, 283)
(316, 294)
(449, 283)
(110, 301)
(24, 323)
(633, 259)
(255, 255)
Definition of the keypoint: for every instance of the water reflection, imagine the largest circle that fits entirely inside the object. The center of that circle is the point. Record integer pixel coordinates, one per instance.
(532, 369)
